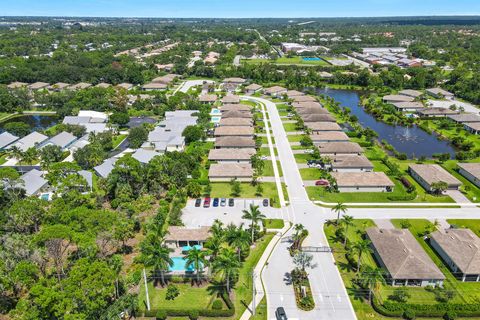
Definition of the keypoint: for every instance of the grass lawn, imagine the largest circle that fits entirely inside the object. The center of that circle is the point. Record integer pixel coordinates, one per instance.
(471, 224)
(471, 191)
(295, 138)
(310, 173)
(290, 127)
(303, 158)
(118, 139)
(467, 292)
(3, 159)
(273, 223)
(282, 113)
(243, 288)
(265, 141)
(268, 170)
(266, 152)
(261, 311)
(190, 297)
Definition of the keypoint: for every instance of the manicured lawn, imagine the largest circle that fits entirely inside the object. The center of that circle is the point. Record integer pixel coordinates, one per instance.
(467, 292)
(273, 223)
(302, 158)
(290, 127)
(295, 138)
(471, 224)
(268, 170)
(118, 139)
(261, 311)
(265, 141)
(243, 288)
(3, 159)
(191, 297)
(266, 152)
(310, 173)
(471, 191)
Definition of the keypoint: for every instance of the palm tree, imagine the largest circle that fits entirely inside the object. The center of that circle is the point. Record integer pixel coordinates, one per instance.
(226, 265)
(254, 215)
(339, 208)
(361, 247)
(214, 244)
(156, 255)
(371, 278)
(29, 156)
(298, 234)
(16, 152)
(346, 221)
(217, 229)
(198, 259)
(237, 238)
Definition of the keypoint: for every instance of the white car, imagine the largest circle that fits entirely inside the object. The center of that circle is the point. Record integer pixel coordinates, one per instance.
(264, 157)
(310, 151)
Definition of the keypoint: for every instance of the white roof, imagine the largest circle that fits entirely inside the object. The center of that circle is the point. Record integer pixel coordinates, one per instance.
(93, 114)
(144, 156)
(63, 139)
(33, 182)
(30, 141)
(106, 167)
(6, 139)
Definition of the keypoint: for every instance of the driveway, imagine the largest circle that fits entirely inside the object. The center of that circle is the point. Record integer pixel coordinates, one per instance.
(457, 196)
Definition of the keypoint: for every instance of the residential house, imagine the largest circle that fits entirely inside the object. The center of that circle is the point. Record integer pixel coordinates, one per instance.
(234, 142)
(408, 106)
(7, 139)
(304, 98)
(275, 91)
(33, 183)
(464, 118)
(230, 99)
(125, 86)
(399, 253)
(38, 86)
(436, 112)
(323, 126)
(208, 98)
(239, 131)
(473, 127)
(366, 181)
(338, 148)
(460, 249)
(144, 156)
(63, 140)
(440, 93)
(154, 86)
(104, 169)
(411, 93)
(80, 86)
(397, 98)
(428, 174)
(226, 171)
(59, 86)
(238, 155)
(235, 122)
(471, 171)
(183, 237)
(236, 114)
(17, 85)
(253, 88)
(317, 118)
(351, 163)
(329, 136)
(32, 140)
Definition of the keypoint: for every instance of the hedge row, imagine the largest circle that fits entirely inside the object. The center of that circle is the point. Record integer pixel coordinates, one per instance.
(395, 309)
(201, 312)
(407, 197)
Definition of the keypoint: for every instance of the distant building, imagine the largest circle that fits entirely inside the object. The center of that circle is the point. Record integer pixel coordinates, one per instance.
(439, 93)
(32, 140)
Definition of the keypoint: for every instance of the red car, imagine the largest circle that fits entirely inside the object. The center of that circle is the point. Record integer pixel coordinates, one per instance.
(206, 203)
(323, 183)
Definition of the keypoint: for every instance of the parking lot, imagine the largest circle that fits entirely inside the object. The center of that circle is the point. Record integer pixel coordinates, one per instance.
(200, 216)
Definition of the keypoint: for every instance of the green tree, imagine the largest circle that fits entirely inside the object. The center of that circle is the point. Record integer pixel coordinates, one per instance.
(155, 255)
(30, 156)
(50, 154)
(346, 222)
(254, 215)
(226, 265)
(193, 133)
(236, 187)
(137, 136)
(20, 129)
(339, 208)
(371, 278)
(198, 259)
(360, 247)
(439, 187)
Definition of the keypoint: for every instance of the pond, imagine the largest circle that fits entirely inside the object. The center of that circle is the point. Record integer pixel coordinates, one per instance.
(410, 140)
(35, 121)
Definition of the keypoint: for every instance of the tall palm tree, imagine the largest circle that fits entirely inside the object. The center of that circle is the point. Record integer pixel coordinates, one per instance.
(156, 255)
(371, 278)
(361, 247)
(346, 221)
(226, 265)
(338, 209)
(254, 215)
(297, 235)
(239, 239)
(16, 152)
(198, 259)
(217, 229)
(214, 244)
(29, 156)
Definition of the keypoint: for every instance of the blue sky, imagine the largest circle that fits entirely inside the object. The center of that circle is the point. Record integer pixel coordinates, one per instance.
(238, 8)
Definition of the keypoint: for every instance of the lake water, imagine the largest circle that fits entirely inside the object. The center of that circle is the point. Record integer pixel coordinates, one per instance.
(410, 140)
(35, 121)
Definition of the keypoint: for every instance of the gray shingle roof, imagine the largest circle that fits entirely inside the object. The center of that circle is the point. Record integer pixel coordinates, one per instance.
(7, 138)
(30, 141)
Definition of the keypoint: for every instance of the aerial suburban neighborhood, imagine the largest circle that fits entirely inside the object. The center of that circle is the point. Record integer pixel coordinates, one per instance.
(253, 167)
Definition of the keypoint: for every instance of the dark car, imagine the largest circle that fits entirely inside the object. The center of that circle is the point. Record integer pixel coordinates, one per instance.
(265, 202)
(323, 183)
(231, 202)
(223, 202)
(215, 202)
(280, 314)
(206, 203)
(198, 202)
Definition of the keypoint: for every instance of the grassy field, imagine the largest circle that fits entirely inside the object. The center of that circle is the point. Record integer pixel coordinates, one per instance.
(295, 138)
(471, 224)
(268, 170)
(266, 152)
(290, 127)
(303, 158)
(310, 173)
(273, 223)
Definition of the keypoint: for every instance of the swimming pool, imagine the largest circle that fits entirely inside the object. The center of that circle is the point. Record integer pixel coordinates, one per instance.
(45, 196)
(311, 59)
(215, 112)
(216, 119)
(179, 264)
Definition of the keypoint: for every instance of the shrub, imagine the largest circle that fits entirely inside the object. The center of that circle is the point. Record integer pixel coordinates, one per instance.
(161, 315)
(193, 315)
(400, 295)
(409, 314)
(217, 305)
(172, 292)
(450, 315)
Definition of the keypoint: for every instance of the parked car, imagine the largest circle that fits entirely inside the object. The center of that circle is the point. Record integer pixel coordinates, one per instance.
(198, 202)
(280, 314)
(265, 202)
(309, 151)
(323, 183)
(215, 202)
(206, 203)
(223, 202)
(263, 157)
(231, 202)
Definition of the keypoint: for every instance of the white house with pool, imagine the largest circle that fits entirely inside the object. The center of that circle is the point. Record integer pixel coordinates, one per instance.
(182, 240)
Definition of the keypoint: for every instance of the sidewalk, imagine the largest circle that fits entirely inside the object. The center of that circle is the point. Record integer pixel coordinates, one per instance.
(260, 292)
